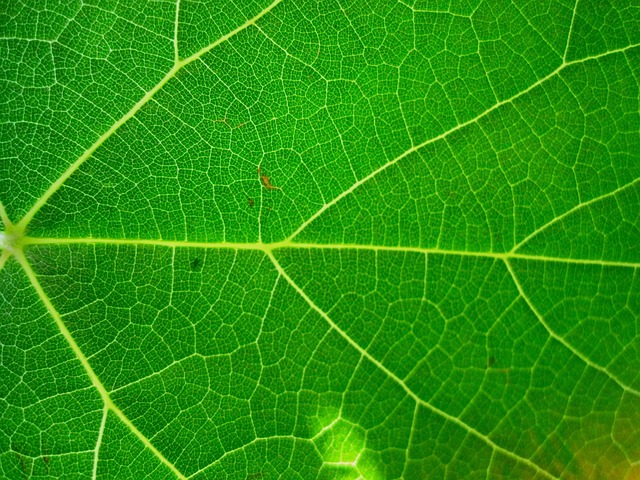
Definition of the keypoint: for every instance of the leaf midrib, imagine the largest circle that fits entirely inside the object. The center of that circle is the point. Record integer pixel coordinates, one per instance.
(267, 248)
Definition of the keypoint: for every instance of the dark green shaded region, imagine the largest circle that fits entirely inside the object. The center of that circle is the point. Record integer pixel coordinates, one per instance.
(519, 45)
(49, 411)
(31, 20)
(441, 449)
(265, 459)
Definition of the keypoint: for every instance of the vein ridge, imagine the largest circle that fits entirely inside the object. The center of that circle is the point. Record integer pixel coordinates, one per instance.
(268, 247)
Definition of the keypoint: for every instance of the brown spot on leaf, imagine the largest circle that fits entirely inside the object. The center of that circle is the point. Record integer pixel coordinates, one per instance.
(266, 181)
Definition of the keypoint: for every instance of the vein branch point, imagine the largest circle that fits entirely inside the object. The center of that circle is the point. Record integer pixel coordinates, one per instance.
(11, 239)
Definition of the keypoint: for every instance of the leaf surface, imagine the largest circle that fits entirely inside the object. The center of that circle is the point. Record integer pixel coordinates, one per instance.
(320, 240)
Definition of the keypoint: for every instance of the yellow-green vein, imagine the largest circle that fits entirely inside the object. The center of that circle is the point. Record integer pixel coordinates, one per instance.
(268, 247)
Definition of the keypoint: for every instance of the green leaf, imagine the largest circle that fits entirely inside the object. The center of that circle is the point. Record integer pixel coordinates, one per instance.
(320, 240)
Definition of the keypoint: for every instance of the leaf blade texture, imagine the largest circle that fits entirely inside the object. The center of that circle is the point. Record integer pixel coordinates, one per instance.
(444, 284)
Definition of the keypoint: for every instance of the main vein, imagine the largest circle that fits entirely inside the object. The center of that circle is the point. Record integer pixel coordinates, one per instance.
(269, 247)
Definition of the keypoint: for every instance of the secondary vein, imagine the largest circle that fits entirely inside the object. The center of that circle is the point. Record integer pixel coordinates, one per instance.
(570, 211)
(444, 135)
(178, 65)
(559, 338)
(44, 298)
(399, 381)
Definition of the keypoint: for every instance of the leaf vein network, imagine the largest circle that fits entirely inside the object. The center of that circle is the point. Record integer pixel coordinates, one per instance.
(269, 249)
